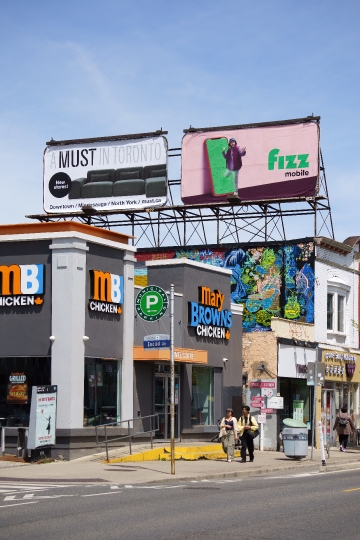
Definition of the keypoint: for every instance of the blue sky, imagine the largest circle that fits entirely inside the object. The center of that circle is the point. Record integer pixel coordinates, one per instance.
(86, 69)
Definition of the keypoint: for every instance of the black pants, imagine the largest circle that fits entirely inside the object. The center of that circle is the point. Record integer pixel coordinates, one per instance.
(247, 442)
(343, 440)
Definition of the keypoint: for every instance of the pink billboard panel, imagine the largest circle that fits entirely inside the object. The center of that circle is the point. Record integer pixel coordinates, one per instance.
(254, 164)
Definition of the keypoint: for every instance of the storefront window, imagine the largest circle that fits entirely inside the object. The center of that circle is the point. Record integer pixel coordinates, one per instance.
(101, 391)
(340, 313)
(17, 377)
(297, 400)
(330, 311)
(202, 404)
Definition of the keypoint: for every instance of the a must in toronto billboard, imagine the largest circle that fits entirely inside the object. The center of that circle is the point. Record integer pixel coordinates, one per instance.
(106, 175)
(254, 164)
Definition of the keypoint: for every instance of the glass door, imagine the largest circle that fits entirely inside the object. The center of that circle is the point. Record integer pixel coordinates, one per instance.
(162, 404)
(328, 415)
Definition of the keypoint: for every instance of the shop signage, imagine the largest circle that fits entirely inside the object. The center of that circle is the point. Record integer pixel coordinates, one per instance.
(17, 388)
(107, 292)
(151, 303)
(21, 285)
(208, 315)
(350, 369)
(275, 402)
(259, 384)
(261, 419)
(267, 411)
(157, 341)
(340, 356)
(332, 369)
(42, 427)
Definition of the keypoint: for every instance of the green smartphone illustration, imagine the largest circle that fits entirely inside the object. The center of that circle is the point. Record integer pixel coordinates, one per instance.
(222, 180)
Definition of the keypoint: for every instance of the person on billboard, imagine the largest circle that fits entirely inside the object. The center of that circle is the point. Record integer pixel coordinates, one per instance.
(233, 159)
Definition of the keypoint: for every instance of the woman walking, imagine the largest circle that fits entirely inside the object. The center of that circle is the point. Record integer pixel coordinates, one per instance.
(344, 426)
(229, 434)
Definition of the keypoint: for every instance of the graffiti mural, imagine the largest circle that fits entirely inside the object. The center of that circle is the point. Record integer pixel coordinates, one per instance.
(269, 281)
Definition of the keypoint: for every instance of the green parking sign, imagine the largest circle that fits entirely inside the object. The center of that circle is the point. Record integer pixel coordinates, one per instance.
(151, 303)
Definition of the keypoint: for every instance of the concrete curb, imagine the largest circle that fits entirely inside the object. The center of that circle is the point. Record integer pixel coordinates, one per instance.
(243, 472)
(340, 467)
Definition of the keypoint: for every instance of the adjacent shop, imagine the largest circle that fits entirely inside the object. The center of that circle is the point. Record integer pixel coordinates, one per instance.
(207, 339)
(341, 387)
(293, 360)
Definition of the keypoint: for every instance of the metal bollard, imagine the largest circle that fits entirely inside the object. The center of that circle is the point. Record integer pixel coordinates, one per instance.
(2, 440)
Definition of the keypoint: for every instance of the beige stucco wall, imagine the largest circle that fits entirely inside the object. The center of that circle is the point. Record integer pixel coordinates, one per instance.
(259, 348)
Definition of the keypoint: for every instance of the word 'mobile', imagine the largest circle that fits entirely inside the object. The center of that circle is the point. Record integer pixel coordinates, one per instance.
(107, 292)
(208, 315)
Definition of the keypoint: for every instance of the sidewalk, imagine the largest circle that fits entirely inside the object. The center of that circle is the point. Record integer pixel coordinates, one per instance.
(92, 469)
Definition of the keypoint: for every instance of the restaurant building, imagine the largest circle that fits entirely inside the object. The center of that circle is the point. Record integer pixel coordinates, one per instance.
(67, 318)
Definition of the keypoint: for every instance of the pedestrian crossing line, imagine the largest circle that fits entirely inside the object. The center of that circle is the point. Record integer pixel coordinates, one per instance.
(18, 504)
(98, 494)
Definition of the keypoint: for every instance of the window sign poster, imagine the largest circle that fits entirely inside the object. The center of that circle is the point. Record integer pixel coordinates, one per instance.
(298, 408)
(17, 388)
(42, 428)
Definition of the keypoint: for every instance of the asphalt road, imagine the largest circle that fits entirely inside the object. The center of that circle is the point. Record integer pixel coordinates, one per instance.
(291, 507)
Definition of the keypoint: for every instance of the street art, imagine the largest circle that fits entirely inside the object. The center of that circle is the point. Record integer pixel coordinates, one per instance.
(269, 281)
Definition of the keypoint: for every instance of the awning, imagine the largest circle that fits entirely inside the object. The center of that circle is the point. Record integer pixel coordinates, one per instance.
(187, 356)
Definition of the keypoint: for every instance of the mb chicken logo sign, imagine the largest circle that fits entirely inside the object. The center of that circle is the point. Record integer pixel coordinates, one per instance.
(107, 292)
(21, 285)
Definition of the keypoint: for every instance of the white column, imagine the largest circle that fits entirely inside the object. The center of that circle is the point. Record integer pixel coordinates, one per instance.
(68, 327)
(127, 373)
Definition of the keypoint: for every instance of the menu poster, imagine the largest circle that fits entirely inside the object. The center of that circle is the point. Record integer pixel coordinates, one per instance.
(17, 390)
(42, 428)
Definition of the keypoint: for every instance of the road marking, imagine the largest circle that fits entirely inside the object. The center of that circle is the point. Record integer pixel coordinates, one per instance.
(53, 496)
(10, 498)
(114, 487)
(127, 486)
(18, 504)
(28, 496)
(353, 489)
(99, 494)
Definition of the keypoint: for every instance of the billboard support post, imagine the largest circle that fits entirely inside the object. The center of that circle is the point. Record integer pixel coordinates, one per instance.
(172, 381)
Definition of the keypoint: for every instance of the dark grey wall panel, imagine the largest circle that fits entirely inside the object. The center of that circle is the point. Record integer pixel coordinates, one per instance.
(104, 330)
(25, 331)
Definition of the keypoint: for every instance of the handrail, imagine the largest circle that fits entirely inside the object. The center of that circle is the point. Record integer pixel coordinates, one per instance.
(129, 434)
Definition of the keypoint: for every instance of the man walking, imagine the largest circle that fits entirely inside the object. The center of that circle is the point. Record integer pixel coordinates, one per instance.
(247, 426)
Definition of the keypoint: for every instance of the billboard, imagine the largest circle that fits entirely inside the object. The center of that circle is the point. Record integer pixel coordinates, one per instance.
(253, 164)
(105, 175)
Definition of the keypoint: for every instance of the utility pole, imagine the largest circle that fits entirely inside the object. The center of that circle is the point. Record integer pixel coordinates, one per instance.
(172, 380)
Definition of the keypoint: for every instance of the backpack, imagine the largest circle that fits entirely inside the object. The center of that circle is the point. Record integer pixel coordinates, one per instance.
(343, 422)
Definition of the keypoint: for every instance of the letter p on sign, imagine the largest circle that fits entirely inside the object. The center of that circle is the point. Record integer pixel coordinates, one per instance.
(151, 301)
